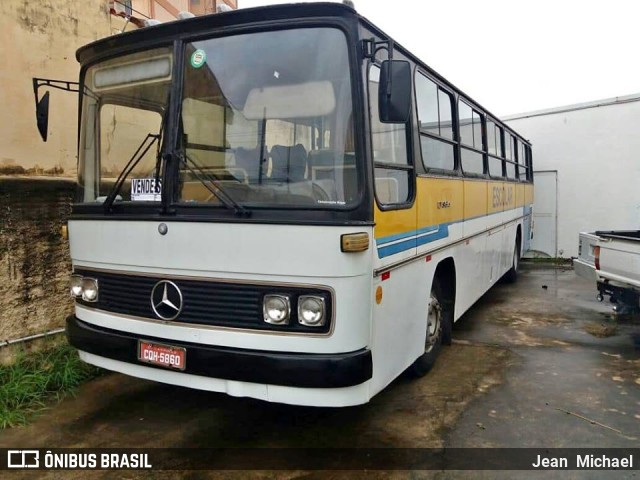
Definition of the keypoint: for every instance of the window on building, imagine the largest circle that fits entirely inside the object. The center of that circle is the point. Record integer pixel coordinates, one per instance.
(123, 6)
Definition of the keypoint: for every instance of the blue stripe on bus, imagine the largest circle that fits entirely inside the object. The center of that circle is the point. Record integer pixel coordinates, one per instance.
(397, 248)
(397, 236)
(420, 237)
(403, 235)
(415, 238)
(442, 232)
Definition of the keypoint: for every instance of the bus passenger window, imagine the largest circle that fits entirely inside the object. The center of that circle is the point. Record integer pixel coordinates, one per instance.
(499, 136)
(472, 162)
(435, 122)
(491, 137)
(437, 154)
(511, 144)
(494, 147)
(471, 139)
(507, 146)
(521, 162)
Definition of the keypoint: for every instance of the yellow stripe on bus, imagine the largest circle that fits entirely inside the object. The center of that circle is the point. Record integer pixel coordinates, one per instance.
(450, 200)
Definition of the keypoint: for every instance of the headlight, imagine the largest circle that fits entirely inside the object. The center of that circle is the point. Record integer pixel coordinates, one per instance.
(89, 289)
(276, 309)
(311, 311)
(75, 285)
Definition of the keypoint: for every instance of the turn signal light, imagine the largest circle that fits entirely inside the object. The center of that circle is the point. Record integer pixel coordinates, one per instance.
(596, 254)
(354, 242)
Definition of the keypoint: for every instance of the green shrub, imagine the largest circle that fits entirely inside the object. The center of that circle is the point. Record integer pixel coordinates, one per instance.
(37, 378)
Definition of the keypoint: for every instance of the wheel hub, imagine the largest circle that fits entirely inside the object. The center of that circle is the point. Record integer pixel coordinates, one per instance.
(434, 324)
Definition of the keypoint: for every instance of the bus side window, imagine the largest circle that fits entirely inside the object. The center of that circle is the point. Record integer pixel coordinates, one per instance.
(511, 146)
(494, 141)
(529, 164)
(471, 139)
(393, 170)
(521, 162)
(435, 122)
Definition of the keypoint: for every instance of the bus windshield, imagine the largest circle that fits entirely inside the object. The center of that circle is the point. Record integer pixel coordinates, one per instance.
(123, 116)
(265, 121)
(268, 117)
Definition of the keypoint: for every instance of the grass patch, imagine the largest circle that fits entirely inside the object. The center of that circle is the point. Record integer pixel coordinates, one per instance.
(37, 378)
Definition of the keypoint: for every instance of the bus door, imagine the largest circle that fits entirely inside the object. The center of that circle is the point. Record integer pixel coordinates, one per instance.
(395, 240)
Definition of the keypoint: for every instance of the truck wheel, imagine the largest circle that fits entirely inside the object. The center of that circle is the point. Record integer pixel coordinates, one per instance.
(438, 319)
(512, 275)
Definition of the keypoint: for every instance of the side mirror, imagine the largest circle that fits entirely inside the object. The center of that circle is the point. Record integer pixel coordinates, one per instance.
(394, 100)
(42, 116)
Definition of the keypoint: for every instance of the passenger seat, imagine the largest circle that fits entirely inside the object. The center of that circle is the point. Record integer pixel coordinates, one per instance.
(288, 164)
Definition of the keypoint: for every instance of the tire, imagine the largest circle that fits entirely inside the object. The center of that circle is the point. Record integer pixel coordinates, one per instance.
(512, 275)
(440, 312)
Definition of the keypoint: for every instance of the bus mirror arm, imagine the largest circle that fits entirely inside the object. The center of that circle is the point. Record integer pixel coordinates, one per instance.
(42, 104)
(371, 47)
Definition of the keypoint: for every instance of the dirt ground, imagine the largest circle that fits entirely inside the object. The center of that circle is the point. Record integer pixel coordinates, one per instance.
(535, 364)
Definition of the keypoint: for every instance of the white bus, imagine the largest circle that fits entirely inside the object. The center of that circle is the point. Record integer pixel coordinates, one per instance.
(280, 203)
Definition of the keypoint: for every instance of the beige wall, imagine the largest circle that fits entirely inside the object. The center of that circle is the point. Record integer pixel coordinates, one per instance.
(40, 39)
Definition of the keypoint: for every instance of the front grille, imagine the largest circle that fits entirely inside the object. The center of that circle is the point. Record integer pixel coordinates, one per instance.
(204, 302)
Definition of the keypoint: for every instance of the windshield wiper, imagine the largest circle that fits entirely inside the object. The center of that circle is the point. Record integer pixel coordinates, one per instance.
(215, 188)
(140, 152)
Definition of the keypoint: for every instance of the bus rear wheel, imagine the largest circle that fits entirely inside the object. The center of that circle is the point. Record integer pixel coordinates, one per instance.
(512, 275)
(437, 322)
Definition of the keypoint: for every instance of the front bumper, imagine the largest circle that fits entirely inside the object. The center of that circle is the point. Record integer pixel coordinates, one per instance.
(302, 370)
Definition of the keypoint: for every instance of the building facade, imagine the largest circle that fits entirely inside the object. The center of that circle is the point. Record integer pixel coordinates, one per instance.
(587, 163)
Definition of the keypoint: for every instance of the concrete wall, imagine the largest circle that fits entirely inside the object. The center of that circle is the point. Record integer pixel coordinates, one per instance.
(34, 260)
(39, 39)
(595, 148)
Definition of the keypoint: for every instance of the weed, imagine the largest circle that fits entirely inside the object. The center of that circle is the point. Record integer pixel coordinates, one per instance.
(37, 378)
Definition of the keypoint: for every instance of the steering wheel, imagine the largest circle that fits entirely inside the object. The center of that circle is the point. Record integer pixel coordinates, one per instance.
(319, 193)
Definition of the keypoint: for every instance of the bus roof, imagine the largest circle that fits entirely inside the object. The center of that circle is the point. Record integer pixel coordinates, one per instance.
(178, 28)
(151, 36)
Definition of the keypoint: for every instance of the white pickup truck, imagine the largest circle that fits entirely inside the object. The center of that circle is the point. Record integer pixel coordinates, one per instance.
(612, 259)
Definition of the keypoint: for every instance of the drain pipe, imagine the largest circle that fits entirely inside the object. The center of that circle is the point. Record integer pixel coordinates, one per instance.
(6, 343)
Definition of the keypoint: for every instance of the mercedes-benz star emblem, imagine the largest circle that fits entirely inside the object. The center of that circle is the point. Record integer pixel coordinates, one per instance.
(166, 300)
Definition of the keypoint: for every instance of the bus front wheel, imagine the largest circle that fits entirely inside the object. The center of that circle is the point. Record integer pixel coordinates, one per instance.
(438, 316)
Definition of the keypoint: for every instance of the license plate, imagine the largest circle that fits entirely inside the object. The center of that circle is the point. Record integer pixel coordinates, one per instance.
(162, 355)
